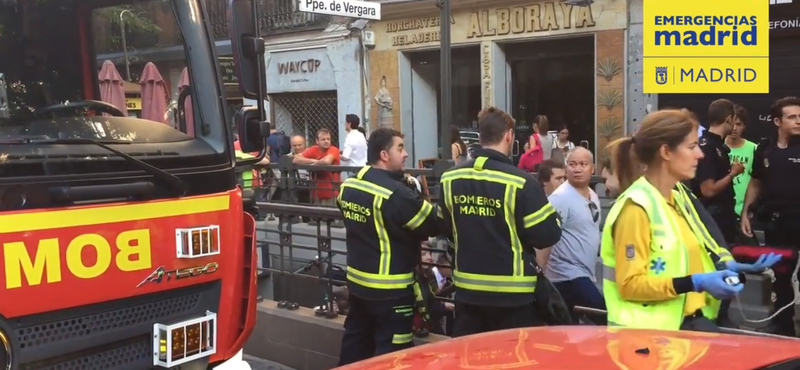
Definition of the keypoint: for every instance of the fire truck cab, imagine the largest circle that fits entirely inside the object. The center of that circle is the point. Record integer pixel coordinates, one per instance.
(123, 240)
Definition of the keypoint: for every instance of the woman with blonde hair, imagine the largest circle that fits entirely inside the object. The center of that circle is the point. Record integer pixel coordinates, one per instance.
(659, 261)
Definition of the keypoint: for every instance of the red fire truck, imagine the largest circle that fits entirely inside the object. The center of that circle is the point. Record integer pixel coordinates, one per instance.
(124, 243)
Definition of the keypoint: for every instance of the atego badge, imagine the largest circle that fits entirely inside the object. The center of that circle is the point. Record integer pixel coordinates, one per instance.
(161, 274)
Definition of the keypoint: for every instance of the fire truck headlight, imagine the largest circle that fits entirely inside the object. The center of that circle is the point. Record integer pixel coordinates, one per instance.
(185, 341)
(5, 351)
(197, 241)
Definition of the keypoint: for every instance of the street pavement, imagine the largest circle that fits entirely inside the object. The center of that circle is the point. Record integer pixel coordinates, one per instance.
(262, 364)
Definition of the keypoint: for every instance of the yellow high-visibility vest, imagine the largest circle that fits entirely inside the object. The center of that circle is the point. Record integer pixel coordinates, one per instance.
(247, 175)
(666, 246)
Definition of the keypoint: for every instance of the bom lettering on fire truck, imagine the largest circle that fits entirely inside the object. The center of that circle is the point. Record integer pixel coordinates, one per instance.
(40, 261)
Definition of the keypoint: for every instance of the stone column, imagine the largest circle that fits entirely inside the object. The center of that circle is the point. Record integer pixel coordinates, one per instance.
(639, 103)
(486, 74)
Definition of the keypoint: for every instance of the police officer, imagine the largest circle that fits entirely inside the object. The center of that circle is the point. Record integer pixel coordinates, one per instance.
(385, 222)
(775, 178)
(497, 214)
(713, 182)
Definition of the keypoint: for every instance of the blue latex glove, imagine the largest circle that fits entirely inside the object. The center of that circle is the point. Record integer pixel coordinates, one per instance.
(764, 262)
(714, 283)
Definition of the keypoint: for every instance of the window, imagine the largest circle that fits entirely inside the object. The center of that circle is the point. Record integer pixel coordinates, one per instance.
(554, 78)
(466, 83)
(140, 47)
(51, 80)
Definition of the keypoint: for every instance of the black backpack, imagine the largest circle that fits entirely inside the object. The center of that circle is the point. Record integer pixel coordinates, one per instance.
(284, 144)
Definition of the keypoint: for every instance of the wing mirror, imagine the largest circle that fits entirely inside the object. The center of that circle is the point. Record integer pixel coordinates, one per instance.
(252, 131)
(248, 54)
(248, 48)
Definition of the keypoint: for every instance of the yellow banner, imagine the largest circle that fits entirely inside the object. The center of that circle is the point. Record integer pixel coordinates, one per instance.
(709, 46)
(133, 103)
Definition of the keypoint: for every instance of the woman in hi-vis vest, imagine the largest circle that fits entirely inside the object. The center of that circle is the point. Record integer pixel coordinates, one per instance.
(660, 264)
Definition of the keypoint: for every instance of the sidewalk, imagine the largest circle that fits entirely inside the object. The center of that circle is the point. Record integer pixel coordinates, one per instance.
(261, 364)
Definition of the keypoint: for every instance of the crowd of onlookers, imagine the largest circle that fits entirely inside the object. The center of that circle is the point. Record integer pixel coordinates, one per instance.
(310, 187)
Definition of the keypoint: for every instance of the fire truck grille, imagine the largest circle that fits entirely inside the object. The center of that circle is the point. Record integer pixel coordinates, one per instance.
(76, 329)
(109, 335)
(128, 355)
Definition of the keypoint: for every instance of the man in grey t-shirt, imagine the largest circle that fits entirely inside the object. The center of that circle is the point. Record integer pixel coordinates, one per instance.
(571, 266)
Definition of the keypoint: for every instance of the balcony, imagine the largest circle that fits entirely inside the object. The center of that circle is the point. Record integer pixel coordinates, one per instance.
(276, 16)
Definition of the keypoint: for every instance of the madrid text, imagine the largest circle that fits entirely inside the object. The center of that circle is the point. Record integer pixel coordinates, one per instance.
(477, 205)
(355, 211)
(721, 75)
(705, 30)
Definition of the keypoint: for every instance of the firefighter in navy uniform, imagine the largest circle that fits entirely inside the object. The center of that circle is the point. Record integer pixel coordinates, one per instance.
(775, 179)
(385, 222)
(497, 214)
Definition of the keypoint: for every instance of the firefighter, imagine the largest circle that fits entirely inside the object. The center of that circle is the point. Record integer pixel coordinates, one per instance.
(497, 214)
(654, 248)
(385, 224)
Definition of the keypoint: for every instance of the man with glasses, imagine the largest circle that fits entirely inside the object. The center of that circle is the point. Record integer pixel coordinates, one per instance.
(571, 265)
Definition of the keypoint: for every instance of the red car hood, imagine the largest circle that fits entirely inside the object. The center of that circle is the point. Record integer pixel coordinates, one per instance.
(590, 347)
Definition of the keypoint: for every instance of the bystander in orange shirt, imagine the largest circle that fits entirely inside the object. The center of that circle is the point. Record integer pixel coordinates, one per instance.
(325, 181)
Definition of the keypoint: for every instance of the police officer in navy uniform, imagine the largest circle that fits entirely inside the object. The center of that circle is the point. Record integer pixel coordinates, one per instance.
(775, 179)
(385, 222)
(502, 225)
(713, 183)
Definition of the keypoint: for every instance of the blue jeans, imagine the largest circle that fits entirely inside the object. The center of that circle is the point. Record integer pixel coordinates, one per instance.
(582, 292)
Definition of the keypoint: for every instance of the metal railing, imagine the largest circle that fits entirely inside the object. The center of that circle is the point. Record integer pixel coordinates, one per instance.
(287, 182)
(588, 312)
(303, 245)
(307, 264)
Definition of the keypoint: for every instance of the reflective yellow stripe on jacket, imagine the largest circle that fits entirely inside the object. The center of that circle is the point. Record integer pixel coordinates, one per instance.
(517, 282)
(383, 279)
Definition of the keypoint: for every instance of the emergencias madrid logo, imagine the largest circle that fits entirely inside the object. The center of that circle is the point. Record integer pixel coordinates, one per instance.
(706, 46)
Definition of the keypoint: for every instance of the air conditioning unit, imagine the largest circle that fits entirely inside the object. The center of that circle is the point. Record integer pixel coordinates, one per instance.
(369, 39)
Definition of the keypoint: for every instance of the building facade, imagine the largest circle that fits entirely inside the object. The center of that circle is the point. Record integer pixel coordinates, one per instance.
(314, 62)
(314, 82)
(527, 57)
